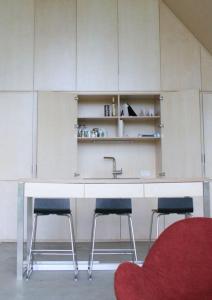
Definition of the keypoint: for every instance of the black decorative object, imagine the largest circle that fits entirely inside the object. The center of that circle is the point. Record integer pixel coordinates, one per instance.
(131, 111)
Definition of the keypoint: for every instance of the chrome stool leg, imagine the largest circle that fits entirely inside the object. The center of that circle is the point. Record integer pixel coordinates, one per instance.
(132, 238)
(32, 246)
(73, 246)
(151, 225)
(91, 255)
(34, 237)
(158, 219)
(131, 242)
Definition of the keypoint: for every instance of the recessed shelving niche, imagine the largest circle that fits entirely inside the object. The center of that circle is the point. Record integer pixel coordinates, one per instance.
(120, 134)
(119, 125)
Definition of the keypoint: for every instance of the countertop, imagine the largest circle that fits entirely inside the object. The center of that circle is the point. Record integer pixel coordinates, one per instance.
(114, 181)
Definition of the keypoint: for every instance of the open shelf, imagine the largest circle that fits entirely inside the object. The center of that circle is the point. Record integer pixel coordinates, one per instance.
(120, 134)
(119, 127)
(107, 139)
(97, 118)
(139, 118)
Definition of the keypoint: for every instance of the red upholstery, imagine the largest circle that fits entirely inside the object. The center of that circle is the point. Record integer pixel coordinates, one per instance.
(177, 267)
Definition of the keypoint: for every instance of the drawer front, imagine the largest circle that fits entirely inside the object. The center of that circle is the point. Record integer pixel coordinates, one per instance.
(173, 189)
(114, 190)
(53, 190)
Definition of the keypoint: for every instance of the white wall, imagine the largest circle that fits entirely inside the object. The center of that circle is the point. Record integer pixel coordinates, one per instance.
(181, 68)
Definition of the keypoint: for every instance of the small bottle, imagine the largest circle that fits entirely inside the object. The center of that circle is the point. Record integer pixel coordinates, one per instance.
(113, 107)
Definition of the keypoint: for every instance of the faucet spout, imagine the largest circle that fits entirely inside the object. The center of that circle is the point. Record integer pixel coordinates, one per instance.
(113, 159)
(115, 172)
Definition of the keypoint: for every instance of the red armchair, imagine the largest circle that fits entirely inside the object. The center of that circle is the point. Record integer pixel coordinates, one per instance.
(177, 267)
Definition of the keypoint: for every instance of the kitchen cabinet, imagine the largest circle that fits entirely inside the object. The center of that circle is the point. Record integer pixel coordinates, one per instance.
(181, 134)
(108, 227)
(16, 47)
(97, 48)
(55, 45)
(180, 54)
(57, 137)
(206, 70)
(16, 119)
(207, 129)
(8, 213)
(139, 46)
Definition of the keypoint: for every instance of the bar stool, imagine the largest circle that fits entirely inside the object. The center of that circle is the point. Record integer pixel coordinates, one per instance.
(51, 206)
(171, 205)
(107, 206)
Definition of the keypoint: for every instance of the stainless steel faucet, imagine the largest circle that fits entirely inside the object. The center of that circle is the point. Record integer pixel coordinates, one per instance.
(115, 172)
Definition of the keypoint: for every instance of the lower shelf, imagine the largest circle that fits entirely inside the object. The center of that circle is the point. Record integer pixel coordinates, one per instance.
(111, 139)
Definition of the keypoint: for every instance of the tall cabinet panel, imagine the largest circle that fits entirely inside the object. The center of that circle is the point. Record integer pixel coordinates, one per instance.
(97, 49)
(180, 54)
(207, 113)
(16, 115)
(57, 140)
(8, 211)
(181, 136)
(139, 50)
(206, 70)
(16, 46)
(55, 45)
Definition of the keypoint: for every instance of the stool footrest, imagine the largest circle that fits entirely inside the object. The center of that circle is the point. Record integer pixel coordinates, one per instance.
(113, 251)
(52, 252)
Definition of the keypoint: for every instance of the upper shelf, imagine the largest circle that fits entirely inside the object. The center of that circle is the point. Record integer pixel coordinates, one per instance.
(127, 118)
(97, 118)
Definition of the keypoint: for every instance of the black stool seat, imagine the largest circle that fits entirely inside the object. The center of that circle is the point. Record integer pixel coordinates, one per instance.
(171, 205)
(56, 206)
(178, 205)
(113, 206)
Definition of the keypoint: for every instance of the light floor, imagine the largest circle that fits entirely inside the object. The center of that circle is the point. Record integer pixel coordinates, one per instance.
(57, 285)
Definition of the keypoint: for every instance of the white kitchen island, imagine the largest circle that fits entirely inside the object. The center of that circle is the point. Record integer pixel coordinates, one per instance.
(96, 188)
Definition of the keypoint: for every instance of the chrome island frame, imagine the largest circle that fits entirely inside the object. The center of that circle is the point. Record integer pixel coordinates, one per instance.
(27, 190)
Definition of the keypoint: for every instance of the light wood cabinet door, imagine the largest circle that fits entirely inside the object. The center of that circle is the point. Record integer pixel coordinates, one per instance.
(16, 46)
(180, 54)
(207, 123)
(139, 50)
(108, 226)
(16, 115)
(55, 45)
(181, 135)
(97, 49)
(57, 136)
(8, 211)
(206, 70)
